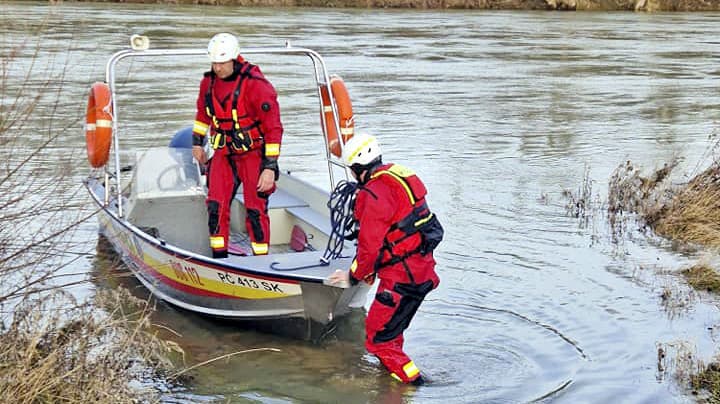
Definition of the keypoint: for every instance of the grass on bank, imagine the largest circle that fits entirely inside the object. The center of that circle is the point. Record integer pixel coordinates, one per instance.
(694, 213)
(708, 380)
(702, 277)
(76, 355)
(688, 213)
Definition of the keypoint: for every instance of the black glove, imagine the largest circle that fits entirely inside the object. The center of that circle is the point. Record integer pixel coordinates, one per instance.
(271, 164)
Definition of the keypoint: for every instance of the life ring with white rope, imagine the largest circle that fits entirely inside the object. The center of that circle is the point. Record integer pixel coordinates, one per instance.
(345, 113)
(98, 124)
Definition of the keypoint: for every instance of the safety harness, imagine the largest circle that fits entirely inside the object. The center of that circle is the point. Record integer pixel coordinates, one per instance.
(235, 126)
(419, 221)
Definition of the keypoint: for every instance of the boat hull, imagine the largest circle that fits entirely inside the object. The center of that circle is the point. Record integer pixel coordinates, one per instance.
(216, 288)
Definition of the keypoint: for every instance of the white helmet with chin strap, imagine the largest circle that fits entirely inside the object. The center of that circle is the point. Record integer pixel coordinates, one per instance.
(223, 47)
(361, 150)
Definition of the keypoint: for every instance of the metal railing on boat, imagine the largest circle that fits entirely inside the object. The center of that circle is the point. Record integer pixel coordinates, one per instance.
(321, 77)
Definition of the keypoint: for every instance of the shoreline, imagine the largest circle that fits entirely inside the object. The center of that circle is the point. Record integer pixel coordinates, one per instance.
(648, 6)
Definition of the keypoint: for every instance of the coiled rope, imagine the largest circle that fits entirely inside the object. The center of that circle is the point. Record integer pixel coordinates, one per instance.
(342, 225)
(341, 205)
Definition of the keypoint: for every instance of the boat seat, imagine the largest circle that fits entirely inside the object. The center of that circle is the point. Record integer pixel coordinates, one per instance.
(311, 217)
(285, 210)
(280, 221)
(278, 199)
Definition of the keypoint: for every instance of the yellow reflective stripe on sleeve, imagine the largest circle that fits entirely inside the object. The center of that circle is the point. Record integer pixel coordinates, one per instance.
(90, 126)
(423, 221)
(200, 128)
(272, 149)
(217, 242)
(347, 131)
(410, 369)
(259, 248)
(353, 266)
(103, 123)
(396, 377)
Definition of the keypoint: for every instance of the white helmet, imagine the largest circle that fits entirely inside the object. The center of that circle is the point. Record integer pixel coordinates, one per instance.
(223, 47)
(361, 149)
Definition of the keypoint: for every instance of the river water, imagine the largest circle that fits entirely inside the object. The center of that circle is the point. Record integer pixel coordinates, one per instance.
(501, 113)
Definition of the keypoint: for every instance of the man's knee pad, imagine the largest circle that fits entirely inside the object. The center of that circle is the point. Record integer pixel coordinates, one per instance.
(255, 225)
(213, 208)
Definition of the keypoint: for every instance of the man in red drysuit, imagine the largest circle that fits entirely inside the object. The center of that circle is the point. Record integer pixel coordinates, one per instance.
(240, 108)
(397, 234)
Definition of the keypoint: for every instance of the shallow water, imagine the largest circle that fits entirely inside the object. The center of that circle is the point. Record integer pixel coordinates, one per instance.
(499, 113)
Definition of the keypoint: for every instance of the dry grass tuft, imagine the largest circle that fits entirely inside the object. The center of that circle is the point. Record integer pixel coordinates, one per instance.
(630, 192)
(702, 277)
(689, 213)
(694, 213)
(708, 381)
(678, 358)
(50, 354)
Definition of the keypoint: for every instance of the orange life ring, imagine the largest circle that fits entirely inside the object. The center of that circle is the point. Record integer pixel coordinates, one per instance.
(98, 124)
(345, 113)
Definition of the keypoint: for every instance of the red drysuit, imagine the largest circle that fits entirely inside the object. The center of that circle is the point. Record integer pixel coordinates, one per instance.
(243, 115)
(384, 250)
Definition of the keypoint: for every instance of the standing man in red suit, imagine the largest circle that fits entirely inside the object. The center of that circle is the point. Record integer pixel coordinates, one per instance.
(238, 107)
(396, 238)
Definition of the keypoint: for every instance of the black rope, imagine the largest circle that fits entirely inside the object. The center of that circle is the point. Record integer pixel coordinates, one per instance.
(341, 205)
(275, 266)
(342, 223)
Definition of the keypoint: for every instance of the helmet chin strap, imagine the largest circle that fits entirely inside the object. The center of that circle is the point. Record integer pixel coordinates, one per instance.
(366, 169)
(236, 70)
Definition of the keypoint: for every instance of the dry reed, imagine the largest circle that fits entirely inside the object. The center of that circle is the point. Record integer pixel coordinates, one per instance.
(688, 213)
(76, 355)
(694, 213)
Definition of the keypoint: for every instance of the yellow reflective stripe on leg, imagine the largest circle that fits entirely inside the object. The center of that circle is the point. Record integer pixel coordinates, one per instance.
(272, 149)
(396, 377)
(410, 369)
(259, 248)
(217, 242)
